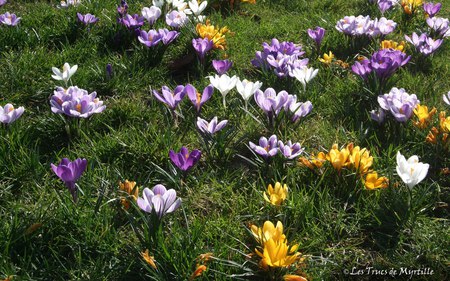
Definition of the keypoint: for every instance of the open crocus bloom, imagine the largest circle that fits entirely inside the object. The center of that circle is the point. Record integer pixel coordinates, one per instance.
(247, 88)
(183, 159)
(159, 200)
(304, 75)
(9, 19)
(169, 97)
(66, 72)
(224, 84)
(151, 14)
(75, 102)
(276, 195)
(8, 114)
(290, 150)
(196, 98)
(266, 148)
(211, 127)
(411, 171)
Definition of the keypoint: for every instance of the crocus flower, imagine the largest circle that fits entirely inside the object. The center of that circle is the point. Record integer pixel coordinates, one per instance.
(9, 19)
(75, 102)
(224, 84)
(385, 5)
(278, 254)
(8, 114)
(270, 101)
(2, 2)
(276, 195)
(299, 109)
(362, 68)
(199, 270)
(446, 98)
(439, 25)
(150, 38)
(122, 8)
(151, 14)
(167, 36)
(399, 103)
(87, 18)
(69, 172)
(176, 19)
(159, 3)
(338, 158)
(424, 44)
(317, 35)
(378, 116)
(266, 148)
(150, 260)
(211, 127)
(290, 150)
(196, 98)
(159, 200)
(185, 160)
(132, 22)
(128, 187)
(411, 171)
(196, 8)
(386, 61)
(304, 75)
(372, 181)
(202, 46)
(293, 277)
(67, 3)
(268, 231)
(222, 66)
(66, 73)
(247, 88)
(431, 9)
(171, 99)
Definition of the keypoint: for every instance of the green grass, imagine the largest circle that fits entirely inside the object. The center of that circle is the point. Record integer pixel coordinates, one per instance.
(336, 222)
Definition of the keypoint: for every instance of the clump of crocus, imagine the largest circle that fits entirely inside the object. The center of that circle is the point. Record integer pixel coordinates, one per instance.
(399, 103)
(423, 115)
(184, 159)
(9, 19)
(424, 44)
(215, 34)
(276, 195)
(364, 26)
(65, 74)
(440, 26)
(87, 18)
(69, 172)
(159, 200)
(411, 171)
(128, 187)
(222, 66)
(196, 98)
(75, 102)
(9, 114)
(411, 6)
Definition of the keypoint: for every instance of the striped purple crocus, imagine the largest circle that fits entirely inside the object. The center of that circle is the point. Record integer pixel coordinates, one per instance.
(184, 159)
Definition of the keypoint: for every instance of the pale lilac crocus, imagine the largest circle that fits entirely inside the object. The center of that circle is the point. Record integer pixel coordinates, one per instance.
(446, 98)
(176, 19)
(9, 114)
(266, 148)
(9, 19)
(159, 200)
(362, 68)
(196, 98)
(169, 97)
(385, 5)
(151, 14)
(210, 127)
(300, 110)
(424, 44)
(167, 36)
(69, 172)
(87, 18)
(184, 159)
(378, 116)
(399, 103)
(132, 22)
(439, 25)
(271, 102)
(2, 2)
(290, 150)
(222, 66)
(431, 9)
(317, 35)
(202, 46)
(75, 102)
(150, 38)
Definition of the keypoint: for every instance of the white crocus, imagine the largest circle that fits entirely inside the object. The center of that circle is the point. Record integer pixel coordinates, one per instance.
(224, 84)
(66, 73)
(446, 98)
(304, 75)
(411, 171)
(247, 89)
(158, 3)
(181, 6)
(196, 8)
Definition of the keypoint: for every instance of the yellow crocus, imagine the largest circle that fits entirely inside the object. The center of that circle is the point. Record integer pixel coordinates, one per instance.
(360, 159)
(291, 277)
(315, 161)
(213, 33)
(150, 260)
(130, 188)
(444, 122)
(278, 254)
(410, 6)
(424, 116)
(198, 271)
(373, 181)
(267, 232)
(277, 195)
(327, 58)
(390, 44)
(338, 158)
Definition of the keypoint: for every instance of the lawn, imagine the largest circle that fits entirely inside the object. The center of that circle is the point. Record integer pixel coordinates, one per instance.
(336, 220)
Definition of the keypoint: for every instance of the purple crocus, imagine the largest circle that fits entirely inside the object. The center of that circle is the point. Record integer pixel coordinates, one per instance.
(211, 127)
(424, 44)
(196, 98)
(109, 70)
(87, 18)
(185, 160)
(399, 103)
(9, 114)
(168, 36)
(176, 19)
(202, 46)
(222, 66)
(132, 22)
(300, 109)
(385, 5)
(266, 148)
(159, 200)
(317, 35)
(290, 150)
(69, 172)
(2, 2)
(171, 99)
(9, 19)
(150, 38)
(122, 8)
(271, 102)
(431, 9)
(362, 68)
(378, 116)
(75, 102)
(439, 25)
(386, 61)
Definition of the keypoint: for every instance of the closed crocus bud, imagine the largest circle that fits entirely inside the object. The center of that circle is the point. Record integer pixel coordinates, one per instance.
(109, 70)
